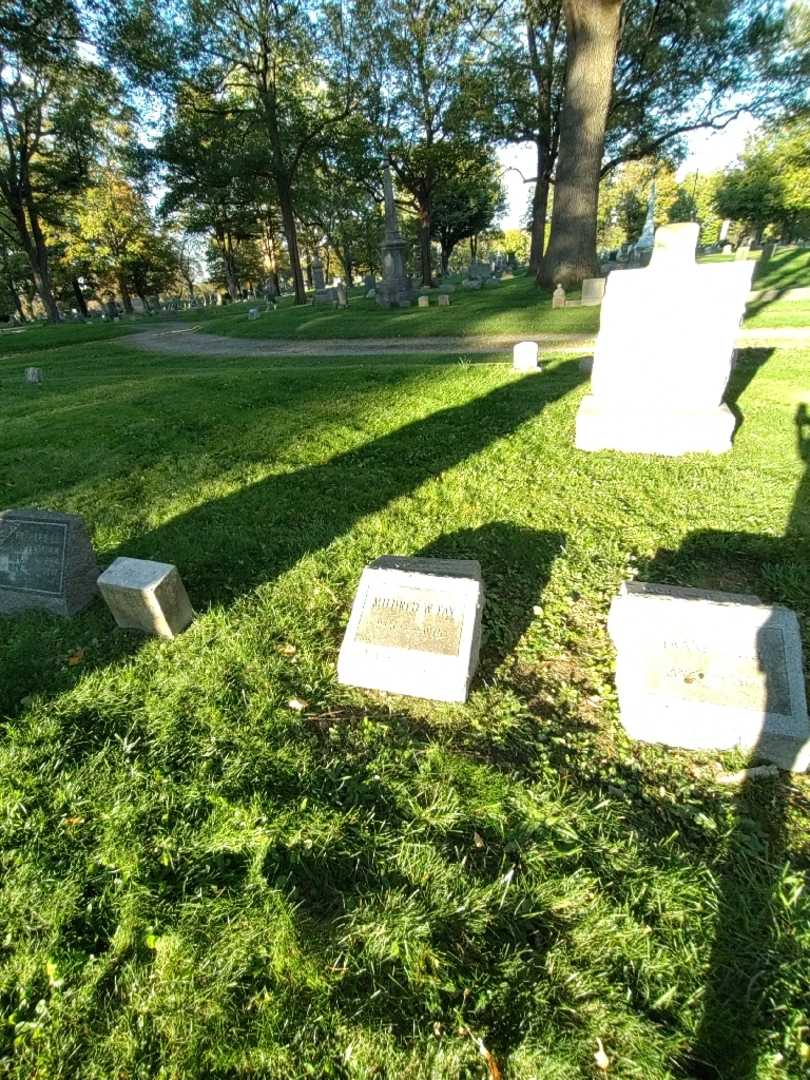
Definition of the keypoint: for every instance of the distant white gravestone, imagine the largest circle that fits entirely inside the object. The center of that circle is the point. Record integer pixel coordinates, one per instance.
(710, 671)
(664, 353)
(415, 628)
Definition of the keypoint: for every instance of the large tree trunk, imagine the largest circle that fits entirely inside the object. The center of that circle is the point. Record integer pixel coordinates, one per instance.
(285, 203)
(36, 249)
(592, 34)
(539, 209)
(447, 251)
(126, 299)
(425, 253)
(80, 301)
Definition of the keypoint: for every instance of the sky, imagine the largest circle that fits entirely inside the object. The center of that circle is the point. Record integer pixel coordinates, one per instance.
(708, 151)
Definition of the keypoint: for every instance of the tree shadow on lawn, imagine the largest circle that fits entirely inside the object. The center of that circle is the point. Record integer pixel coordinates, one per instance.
(231, 545)
(741, 1003)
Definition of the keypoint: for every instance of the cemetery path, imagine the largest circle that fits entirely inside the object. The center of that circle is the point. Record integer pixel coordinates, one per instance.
(187, 339)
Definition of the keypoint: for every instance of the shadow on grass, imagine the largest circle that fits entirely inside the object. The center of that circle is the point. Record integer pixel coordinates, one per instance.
(748, 363)
(231, 545)
(741, 1003)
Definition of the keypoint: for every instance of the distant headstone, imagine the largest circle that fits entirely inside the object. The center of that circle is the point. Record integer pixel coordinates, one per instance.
(423, 301)
(34, 375)
(724, 227)
(444, 300)
(395, 288)
(524, 356)
(471, 283)
(664, 353)
(369, 283)
(253, 313)
(146, 595)
(371, 294)
(47, 562)
(342, 295)
(480, 271)
(742, 252)
(415, 628)
(558, 297)
(728, 249)
(710, 671)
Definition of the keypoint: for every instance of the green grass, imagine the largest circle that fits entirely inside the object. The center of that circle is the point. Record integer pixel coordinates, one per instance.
(42, 336)
(197, 880)
(513, 307)
(787, 269)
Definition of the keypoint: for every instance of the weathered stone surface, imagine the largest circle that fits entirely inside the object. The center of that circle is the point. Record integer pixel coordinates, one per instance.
(664, 354)
(415, 628)
(471, 283)
(146, 595)
(34, 375)
(423, 301)
(342, 295)
(47, 562)
(253, 313)
(710, 671)
(524, 356)
(444, 300)
(558, 297)
(395, 288)
(593, 289)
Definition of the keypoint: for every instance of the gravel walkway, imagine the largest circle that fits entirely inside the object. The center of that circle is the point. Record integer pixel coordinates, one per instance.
(185, 338)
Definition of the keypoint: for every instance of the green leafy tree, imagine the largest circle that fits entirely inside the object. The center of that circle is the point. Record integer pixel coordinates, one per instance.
(53, 104)
(467, 197)
(771, 184)
(114, 231)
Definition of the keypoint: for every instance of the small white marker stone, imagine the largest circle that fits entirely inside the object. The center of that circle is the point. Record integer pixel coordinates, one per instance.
(424, 301)
(145, 595)
(415, 628)
(524, 356)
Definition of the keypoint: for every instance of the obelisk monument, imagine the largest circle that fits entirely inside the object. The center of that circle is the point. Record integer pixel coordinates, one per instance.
(395, 289)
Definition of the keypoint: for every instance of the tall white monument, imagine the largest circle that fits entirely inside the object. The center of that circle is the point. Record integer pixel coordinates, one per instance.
(664, 353)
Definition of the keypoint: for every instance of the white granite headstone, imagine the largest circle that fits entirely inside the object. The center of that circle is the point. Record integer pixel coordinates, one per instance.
(710, 671)
(524, 356)
(664, 353)
(415, 628)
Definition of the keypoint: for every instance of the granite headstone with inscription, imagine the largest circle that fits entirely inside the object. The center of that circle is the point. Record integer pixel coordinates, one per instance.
(710, 671)
(415, 628)
(47, 562)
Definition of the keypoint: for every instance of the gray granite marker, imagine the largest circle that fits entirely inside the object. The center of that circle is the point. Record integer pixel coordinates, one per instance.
(47, 562)
(146, 595)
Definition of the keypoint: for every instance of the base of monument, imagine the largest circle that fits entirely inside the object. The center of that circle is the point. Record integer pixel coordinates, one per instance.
(671, 432)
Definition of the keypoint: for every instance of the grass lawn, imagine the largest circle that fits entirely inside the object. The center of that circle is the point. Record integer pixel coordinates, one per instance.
(216, 862)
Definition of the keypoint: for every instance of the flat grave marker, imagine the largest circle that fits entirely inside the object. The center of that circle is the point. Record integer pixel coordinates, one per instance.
(709, 670)
(47, 563)
(415, 628)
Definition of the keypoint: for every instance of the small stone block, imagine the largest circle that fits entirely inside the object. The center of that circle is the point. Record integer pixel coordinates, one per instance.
(593, 290)
(444, 300)
(145, 595)
(415, 628)
(34, 375)
(558, 297)
(710, 671)
(47, 563)
(253, 313)
(524, 356)
(423, 301)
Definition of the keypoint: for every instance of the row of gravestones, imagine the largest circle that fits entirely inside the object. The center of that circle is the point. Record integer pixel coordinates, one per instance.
(694, 669)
